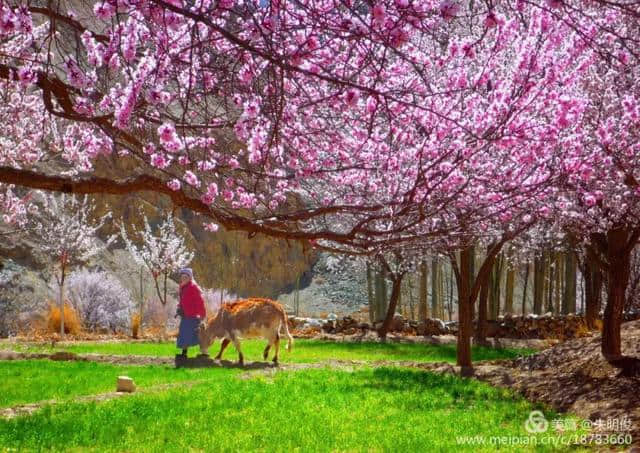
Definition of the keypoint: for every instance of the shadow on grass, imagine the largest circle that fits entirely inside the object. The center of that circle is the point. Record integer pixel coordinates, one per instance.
(440, 387)
(205, 361)
(445, 352)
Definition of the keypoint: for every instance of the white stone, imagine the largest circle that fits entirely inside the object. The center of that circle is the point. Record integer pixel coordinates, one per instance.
(125, 384)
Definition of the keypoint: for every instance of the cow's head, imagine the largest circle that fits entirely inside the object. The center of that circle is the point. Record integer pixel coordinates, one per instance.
(208, 332)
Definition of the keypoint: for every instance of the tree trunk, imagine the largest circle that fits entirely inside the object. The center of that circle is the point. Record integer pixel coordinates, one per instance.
(370, 294)
(558, 285)
(494, 289)
(508, 296)
(618, 257)
(381, 296)
(466, 298)
(593, 291)
(465, 303)
(393, 303)
(538, 283)
(472, 275)
(569, 296)
(524, 290)
(423, 311)
(384, 295)
(550, 285)
(411, 300)
(450, 305)
(377, 295)
(441, 292)
(435, 287)
(481, 327)
(141, 301)
(62, 277)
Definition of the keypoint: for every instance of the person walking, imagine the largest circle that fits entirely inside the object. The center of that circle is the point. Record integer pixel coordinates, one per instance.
(191, 310)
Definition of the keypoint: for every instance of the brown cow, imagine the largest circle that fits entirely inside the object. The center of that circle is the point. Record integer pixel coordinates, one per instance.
(246, 318)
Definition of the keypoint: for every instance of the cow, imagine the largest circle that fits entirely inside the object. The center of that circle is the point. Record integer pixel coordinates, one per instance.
(245, 319)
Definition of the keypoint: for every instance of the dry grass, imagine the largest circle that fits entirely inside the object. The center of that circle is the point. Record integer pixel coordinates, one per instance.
(598, 324)
(72, 324)
(135, 325)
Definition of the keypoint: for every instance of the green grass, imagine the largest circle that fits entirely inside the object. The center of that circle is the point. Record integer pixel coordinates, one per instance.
(304, 351)
(384, 409)
(28, 381)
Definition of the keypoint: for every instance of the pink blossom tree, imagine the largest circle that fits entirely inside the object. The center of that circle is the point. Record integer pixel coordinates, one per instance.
(366, 126)
(385, 101)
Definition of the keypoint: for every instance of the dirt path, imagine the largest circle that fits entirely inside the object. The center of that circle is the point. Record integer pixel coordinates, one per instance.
(30, 408)
(369, 337)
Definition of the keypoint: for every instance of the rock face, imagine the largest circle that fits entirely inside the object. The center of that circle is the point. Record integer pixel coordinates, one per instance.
(258, 267)
(332, 285)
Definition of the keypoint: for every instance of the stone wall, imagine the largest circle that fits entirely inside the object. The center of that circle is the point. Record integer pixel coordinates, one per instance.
(515, 327)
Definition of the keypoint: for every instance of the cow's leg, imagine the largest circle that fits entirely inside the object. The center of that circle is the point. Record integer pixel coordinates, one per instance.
(236, 343)
(223, 346)
(265, 354)
(276, 347)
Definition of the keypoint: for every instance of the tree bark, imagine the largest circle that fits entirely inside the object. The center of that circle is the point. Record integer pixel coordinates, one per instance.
(450, 304)
(494, 288)
(569, 296)
(396, 286)
(481, 326)
(538, 284)
(384, 295)
(435, 286)
(141, 300)
(370, 294)
(378, 296)
(552, 264)
(558, 285)
(423, 311)
(465, 303)
(467, 295)
(618, 257)
(524, 290)
(441, 292)
(593, 292)
(508, 296)
(472, 275)
(62, 276)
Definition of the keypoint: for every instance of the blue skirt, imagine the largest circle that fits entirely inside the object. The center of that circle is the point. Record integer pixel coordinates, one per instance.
(188, 332)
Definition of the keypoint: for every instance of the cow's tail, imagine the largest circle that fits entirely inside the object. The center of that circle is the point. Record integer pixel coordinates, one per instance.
(285, 324)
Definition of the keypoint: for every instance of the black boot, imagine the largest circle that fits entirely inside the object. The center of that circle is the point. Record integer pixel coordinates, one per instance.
(181, 359)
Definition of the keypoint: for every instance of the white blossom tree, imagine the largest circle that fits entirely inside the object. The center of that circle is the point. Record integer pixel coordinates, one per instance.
(66, 230)
(161, 250)
(100, 300)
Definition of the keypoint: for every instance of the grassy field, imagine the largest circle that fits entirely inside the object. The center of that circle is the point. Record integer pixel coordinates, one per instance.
(29, 381)
(381, 409)
(304, 351)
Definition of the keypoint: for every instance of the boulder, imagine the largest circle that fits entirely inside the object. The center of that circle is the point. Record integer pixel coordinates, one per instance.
(430, 327)
(398, 323)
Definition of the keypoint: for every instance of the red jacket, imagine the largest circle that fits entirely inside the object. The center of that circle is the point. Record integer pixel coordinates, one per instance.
(191, 301)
